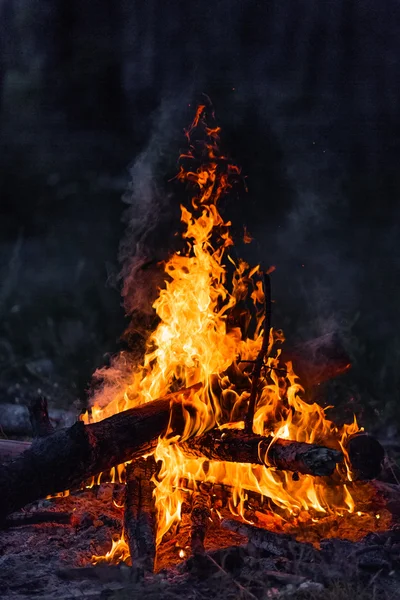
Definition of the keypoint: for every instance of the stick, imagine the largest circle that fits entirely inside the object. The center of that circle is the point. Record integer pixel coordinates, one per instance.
(261, 356)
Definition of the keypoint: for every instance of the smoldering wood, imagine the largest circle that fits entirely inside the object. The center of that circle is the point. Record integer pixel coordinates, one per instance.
(140, 513)
(199, 519)
(239, 446)
(15, 419)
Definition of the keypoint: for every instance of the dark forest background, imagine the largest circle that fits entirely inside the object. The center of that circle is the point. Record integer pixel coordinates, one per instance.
(94, 96)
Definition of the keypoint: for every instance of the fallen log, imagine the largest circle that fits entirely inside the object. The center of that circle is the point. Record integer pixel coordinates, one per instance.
(285, 455)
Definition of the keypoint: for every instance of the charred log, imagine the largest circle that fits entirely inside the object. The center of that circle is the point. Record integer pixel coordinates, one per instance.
(67, 457)
(285, 455)
(140, 514)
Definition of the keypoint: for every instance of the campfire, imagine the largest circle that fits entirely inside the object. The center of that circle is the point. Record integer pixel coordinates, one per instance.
(215, 425)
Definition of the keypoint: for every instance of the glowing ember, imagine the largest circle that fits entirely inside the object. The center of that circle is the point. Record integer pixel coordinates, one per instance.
(198, 342)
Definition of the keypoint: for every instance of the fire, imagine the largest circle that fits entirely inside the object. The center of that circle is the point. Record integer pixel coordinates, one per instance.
(119, 551)
(200, 341)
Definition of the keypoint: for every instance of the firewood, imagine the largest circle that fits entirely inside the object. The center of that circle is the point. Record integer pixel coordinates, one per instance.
(238, 446)
(67, 457)
(64, 459)
(140, 514)
(200, 518)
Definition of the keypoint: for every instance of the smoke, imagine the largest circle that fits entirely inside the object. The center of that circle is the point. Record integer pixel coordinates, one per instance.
(151, 214)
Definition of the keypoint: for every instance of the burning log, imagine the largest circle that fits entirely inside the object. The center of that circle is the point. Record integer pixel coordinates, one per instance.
(15, 419)
(67, 457)
(199, 517)
(140, 517)
(239, 446)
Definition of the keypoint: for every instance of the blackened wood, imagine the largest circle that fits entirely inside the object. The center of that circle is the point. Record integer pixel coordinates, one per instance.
(199, 518)
(238, 446)
(259, 362)
(39, 417)
(140, 513)
(65, 458)
(366, 456)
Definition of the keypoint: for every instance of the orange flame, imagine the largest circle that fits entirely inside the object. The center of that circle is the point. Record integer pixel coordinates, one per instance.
(197, 342)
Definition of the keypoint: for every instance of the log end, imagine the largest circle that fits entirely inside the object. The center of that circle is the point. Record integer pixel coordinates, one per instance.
(321, 461)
